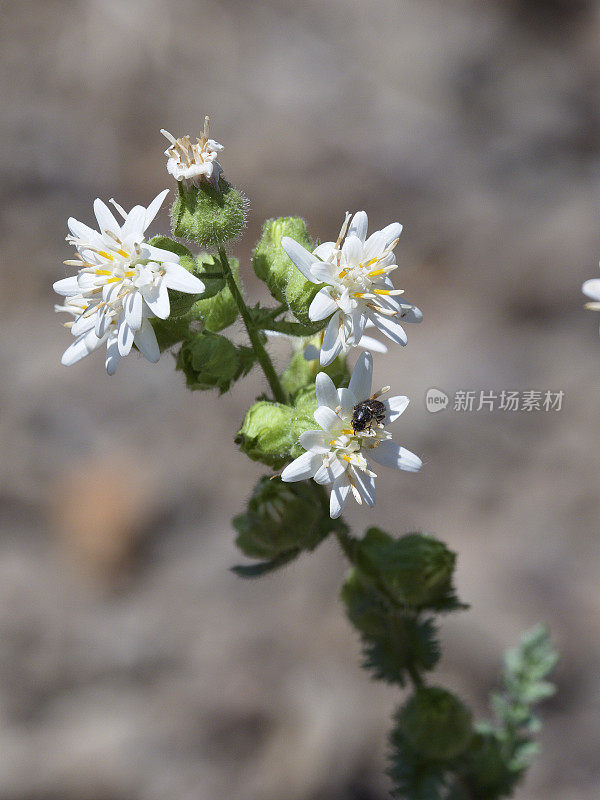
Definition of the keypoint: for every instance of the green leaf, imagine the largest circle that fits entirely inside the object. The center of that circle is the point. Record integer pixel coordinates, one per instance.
(257, 570)
(393, 642)
(219, 311)
(414, 571)
(210, 361)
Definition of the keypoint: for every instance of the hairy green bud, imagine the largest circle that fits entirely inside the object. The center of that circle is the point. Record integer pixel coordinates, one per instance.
(210, 361)
(302, 373)
(282, 517)
(436, 723)
(208, 215)
(273, 266)
(303, 418)
(265, 433)
(415, 570)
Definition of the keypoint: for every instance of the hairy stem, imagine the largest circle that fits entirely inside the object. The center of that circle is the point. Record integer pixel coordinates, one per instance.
(253, 333)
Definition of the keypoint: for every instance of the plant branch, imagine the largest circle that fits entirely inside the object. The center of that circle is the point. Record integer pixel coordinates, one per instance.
(253, 333)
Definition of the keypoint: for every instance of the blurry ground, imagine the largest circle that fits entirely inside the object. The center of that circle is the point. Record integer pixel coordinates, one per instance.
(133, 665)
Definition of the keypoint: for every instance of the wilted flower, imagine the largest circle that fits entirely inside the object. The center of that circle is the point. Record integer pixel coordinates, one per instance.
(193, 163)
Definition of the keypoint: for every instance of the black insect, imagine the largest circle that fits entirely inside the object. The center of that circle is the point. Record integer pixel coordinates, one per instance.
(365, 412)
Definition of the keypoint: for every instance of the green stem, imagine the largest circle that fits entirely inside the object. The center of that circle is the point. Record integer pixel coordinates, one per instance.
(253, 333)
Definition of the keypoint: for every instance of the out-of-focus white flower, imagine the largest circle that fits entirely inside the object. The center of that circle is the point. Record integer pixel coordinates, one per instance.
(338, 453)
(355, 270)
(591, 288)
(193, 163)
(121, 282)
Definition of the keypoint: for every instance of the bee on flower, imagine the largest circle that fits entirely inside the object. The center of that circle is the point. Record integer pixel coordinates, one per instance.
(339, 453)
(357, 288)
(122, 281)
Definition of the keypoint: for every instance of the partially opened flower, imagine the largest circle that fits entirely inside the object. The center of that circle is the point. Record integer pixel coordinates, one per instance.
(591, 288)
(337, 454)
(121, 282)
(357, 287)
(191, 163)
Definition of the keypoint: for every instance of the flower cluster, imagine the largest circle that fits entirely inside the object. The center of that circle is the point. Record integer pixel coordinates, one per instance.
(337, 454)
(357, 288)
(122, 281)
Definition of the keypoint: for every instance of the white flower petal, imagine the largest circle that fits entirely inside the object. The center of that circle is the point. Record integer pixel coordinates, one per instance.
(332, 341)
(133, 310)
(80, 348)
(339, 495)
(394, 406)
(311, 353)
(157, 299)
(330, 473)
(302, 259)
(352, 250)
(85, 233)
(113, 357)
(590, 288)
(154, 207)
(390, 327)
(362, 377)
(177, 277)
(302, 467)
(365, 485)
(134, 224)
(66, 286)
(347, 400)
(358, 226)
(324, 272)
(106, 220)
(315, 441)
(125, 339)
(322, 306)
(324, 250)
(326, 392)
(146, 343)
(328, 419)
(374, 345)
(390, 454)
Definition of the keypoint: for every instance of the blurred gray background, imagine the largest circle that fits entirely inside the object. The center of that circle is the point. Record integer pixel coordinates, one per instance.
(133, 664)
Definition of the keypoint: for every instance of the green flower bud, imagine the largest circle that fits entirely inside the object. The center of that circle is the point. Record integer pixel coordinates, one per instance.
(282, 517)
(181, 302)
(302, 373)
(303, 418)
(209, 270)
(272, 265)
(210, 361)
(265, 433)
(219, 310)
(414, 570)
(208, 215)
(436, 723)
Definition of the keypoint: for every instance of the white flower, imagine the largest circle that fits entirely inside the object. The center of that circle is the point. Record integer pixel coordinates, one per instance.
(121, 282)
(311, 345)
(338, 454)
(591, 288)
(193, 163)
(357, 285)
